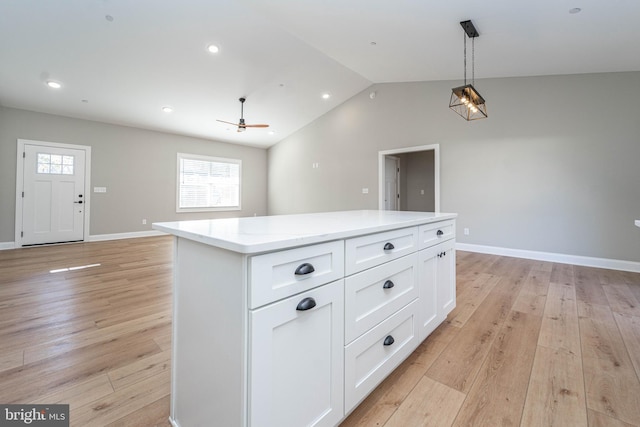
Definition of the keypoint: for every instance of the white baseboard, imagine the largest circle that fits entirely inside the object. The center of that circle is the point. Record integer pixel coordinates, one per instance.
(101, 237)
(611, 264)
(7, 245)
(130, 235)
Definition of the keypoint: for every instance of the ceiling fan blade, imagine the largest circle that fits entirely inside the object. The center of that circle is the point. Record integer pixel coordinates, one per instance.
(257, 126)
(229, 123)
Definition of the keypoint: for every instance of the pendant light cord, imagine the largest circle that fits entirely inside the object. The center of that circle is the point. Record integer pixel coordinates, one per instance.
(473, 61)
(464, 40)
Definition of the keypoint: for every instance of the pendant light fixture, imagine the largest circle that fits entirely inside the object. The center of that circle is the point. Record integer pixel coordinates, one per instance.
(466, 100)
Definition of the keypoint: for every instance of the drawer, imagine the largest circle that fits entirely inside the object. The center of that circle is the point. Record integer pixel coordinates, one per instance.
(434, 233)
(375, 294)
(277, 275)
(369, 359)
(369, 251)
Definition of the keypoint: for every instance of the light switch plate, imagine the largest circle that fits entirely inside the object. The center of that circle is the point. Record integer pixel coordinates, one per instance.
(99, 189)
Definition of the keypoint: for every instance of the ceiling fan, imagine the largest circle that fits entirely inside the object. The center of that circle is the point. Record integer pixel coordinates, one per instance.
(242, 126)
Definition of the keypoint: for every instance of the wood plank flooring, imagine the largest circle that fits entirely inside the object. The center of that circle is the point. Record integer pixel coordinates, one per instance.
(530, 343)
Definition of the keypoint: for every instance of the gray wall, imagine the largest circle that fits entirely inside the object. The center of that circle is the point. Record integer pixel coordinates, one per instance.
(137, 166)
(416, 177)
(555, 167)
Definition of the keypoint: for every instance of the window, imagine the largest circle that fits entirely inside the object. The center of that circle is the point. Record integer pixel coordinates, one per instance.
(55, 164)
(208, 183)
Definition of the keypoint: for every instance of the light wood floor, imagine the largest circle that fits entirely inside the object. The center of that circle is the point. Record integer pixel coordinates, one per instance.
(529, 344)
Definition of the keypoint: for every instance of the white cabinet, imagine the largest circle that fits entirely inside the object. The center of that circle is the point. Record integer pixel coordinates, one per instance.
(373, 356)
(437, 287)
(296, 360)
(374, 249)
(446, 277)
(271, 334)
(373, 295)
(277, 275)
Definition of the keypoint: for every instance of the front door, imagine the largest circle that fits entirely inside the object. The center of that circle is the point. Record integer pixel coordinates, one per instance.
(53, 199)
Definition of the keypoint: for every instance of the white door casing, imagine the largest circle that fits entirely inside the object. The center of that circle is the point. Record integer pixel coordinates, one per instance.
(52, 198)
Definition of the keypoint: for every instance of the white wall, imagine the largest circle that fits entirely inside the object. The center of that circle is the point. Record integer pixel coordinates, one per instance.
(555, 167)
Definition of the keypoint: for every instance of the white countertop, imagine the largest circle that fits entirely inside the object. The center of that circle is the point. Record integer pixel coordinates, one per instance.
(251, 235)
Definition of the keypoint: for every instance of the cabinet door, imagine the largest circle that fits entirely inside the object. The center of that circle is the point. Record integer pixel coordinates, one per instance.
(437, 285)
(296, 360)
(446, 278)
(429, 317)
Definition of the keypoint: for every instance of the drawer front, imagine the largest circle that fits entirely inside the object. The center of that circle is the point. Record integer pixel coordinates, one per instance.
(368, 360)
(373, 295)
(277, 275)
(437, 232)
(369, 251)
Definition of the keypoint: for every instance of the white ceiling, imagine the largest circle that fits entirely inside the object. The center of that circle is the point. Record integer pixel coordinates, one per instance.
(282, 54)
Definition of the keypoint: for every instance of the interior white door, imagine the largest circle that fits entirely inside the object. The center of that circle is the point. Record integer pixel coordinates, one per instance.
(391, 191)
(53, 202)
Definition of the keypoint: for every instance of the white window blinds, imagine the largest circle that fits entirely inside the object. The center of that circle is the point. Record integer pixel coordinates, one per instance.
(208, 183)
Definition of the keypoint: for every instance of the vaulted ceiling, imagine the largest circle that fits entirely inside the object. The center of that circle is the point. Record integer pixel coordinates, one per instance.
(122, 61)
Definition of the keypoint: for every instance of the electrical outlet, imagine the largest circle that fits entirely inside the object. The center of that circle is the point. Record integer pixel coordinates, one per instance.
(365, 191)
(466, 231)
(144, 222)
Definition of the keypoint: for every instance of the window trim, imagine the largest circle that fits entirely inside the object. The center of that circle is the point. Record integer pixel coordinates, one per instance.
(181, 156)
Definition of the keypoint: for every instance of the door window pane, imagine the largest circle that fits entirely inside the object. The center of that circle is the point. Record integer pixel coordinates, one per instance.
(54, 164)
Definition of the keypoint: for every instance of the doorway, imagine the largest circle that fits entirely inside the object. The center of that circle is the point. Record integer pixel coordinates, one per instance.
(420, 166)
(52, 182)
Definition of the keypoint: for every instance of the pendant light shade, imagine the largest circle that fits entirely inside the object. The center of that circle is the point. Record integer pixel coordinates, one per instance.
(466, 100)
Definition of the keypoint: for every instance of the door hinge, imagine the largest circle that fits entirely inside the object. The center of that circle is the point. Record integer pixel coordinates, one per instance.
(22, 234)
(24, 155)
(23, 194)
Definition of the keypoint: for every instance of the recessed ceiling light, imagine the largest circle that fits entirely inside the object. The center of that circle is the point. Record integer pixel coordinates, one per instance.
(326, 96)
(574, 10)
(167, 109)
(271, 132)
(54, 85)
(212, 48)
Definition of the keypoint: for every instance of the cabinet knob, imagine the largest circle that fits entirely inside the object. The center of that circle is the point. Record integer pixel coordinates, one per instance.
(389, 340)
(388, 284)
(306, 304)
(388, 246)
(439, 233)
(305, 268)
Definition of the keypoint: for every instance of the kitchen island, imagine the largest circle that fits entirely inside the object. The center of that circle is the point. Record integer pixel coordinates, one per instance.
(293, 320)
